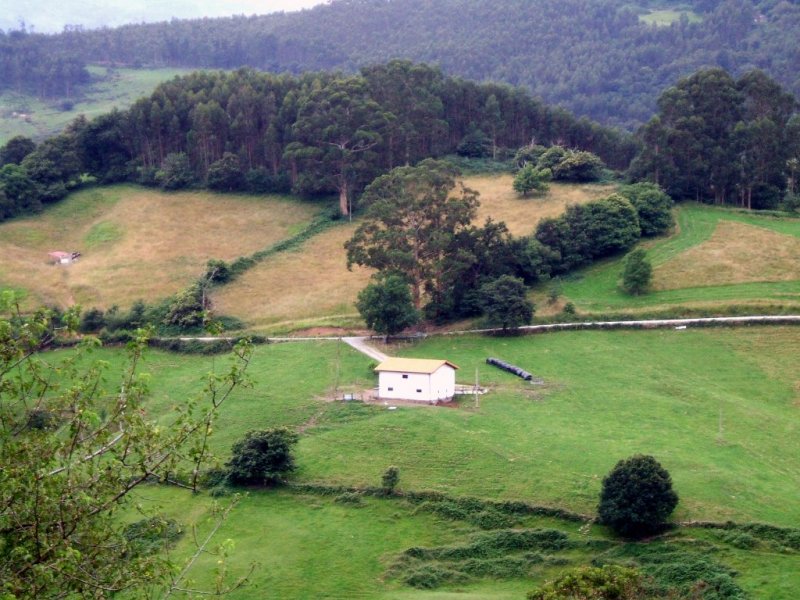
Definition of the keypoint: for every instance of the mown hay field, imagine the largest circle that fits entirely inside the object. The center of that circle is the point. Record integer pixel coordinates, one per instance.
(717, 257)
(136, 243)
(311, 287)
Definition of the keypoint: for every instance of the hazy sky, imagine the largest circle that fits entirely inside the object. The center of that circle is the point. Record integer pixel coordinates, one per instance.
(52, 15)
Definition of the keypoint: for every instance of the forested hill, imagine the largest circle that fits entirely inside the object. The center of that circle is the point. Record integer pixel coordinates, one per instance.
(594, 57)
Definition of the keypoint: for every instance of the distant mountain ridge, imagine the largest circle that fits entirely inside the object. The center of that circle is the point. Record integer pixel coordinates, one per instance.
(593, 57)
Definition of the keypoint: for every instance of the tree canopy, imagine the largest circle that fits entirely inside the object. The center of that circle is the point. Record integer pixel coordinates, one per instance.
(386, 306)
(637, 496)
(411, 218)
(721, 139)
(597, 58)
(505, 303)
(74, 447)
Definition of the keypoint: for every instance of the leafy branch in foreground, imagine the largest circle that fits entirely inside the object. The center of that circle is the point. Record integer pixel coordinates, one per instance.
(72, 451)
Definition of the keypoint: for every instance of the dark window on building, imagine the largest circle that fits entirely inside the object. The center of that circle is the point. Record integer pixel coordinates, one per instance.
(419, 391)
(405, 376)
(391, 389)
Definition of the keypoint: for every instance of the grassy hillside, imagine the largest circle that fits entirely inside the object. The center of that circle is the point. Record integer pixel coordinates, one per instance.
(136, 243)
(716, 407)
(112, 88)
(717, 257)
(669, 16)
(312, 286)
(143, 244)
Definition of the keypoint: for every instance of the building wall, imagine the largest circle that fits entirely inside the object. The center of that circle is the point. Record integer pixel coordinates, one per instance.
(417, 386)
(404, 386)
(443, 383)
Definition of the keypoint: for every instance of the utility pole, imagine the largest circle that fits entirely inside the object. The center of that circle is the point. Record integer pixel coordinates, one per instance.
(476, 387)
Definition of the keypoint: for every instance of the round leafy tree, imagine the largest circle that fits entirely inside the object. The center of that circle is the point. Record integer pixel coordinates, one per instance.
(386, 305)
(262, 457)
(505, 304)
(637, 497)
(530, 179)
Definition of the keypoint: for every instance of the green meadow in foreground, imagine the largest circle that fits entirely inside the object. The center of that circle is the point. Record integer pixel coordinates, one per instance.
(717, 407)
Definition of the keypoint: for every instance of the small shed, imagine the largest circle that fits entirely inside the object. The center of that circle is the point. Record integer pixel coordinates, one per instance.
(63, 258)
(418, 379)
(58, 257)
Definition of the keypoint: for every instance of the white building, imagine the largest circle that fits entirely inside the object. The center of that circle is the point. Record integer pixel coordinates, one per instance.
(418, 379)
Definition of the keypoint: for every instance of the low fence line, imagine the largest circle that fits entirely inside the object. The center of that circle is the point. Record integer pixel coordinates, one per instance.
(644, 324)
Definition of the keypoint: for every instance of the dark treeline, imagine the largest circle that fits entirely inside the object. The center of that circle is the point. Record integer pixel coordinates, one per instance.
(313, 133)
(594, 57)
(724, 140)
(31, 64)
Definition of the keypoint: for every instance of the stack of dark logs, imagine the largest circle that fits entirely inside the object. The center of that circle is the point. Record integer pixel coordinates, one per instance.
(501, 364)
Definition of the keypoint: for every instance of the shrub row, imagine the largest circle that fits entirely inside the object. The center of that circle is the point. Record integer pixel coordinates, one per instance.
(323, 221)
(461, 505)
(180, 346)
(787, 537)
(496, 543)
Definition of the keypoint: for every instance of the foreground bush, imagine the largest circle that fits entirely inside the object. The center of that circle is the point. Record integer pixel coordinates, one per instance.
(610, 582)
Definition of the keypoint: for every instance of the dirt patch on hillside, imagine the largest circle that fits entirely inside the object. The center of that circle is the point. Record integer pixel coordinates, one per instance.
(735, 253)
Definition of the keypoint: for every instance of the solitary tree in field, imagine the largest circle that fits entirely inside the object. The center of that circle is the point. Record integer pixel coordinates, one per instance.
(386, 307)
(637, 497)
(389, 480)
(638, 273)
(262, 457)
(530, 179)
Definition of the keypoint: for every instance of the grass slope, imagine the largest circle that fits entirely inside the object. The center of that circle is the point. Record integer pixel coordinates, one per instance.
(111, 88)
(555, 445)
(666, 17)
(711, 268)
(717, 407)
(137, 243)
(311, 286)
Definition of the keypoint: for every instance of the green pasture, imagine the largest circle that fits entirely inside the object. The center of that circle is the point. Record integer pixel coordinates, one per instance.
(110, 88)
(596, 288)
(666, 17)
(718, 408)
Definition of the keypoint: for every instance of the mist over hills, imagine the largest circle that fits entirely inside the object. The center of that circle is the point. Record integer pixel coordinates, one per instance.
(46, 16)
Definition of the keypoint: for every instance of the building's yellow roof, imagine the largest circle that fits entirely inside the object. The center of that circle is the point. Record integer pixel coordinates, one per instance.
(413, 365)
